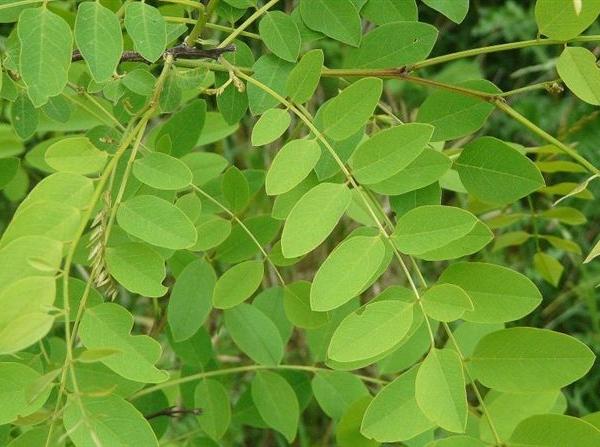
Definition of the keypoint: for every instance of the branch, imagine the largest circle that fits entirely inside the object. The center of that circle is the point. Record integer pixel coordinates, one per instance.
(178, 52)
(174, 411)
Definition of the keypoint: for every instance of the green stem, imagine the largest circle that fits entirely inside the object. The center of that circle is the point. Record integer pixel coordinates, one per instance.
(498, 48)
(539, 86)
(249, 21)
(209, 25)
(187, 3)
(205, 14)
(243, 227)
(546, 136)
(243, 369)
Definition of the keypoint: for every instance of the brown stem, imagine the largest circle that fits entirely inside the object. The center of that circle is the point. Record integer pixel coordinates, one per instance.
(178, 52)
(174, 411)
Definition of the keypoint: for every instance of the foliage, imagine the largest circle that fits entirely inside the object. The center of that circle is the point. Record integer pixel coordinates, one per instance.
(291, 222)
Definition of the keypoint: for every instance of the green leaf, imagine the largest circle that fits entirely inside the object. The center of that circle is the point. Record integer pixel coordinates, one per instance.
(548, 267)
(522, 360)
(52, 219)
(446, 302)
(270, 126)
(498, 294)
(394, 415)
(563, 20)
(23, 116)
(296, 302)
(393, 45)
(161, 171)
(137, 267)
(335, 391)
(156, 221)
(431, 227)
(594, 253)
(304, 78)
(337, 19)
(46, 47)
(348, 429)
(147, 28)
(554, 430)
(205, 166)
(235, 189)
(213, 399)
(313, 218)
(280, 34)
(345, 114)
(8, 170)
(424, 170)
(75, 154)
(458, 441)
(351, 267)
(184, 128)
(15, 380)
(389, 151)
(107, 326)
(237, 284)
(455, 115)
(370, 331)
(191, 299)
(139, 81)
(101, 427)
(276, 403)
(440, 390)
(255, 334)
(577, 68)
(495, 172)
(98, 37)
(455, 10)
(386, 11)
(272, 72)
(25, 321)
(291, 165)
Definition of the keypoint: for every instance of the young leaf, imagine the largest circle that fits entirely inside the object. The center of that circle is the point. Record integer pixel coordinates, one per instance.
(335, 391)
(15, 380)
(238, 284)
(394, 416)
(270, 126)
(548, 267)
(345, 114)
(191, 299)
(102, 427)
(276, 403)
(431, 227)
(389, 151)
(523, 360)
(108, 326)
(161, 171)
(577, 68)
(46, 47)
(212, 397)
(255, 334)
(291, 165)
(137, 267)
(455, 10)
(156, 221)
(348, 270)
(446, 302)
(337, 19)
(313, 218)
(454, 115)
(501, 178)
(304, 77)
(498, 294)
(440, 390)
(370, 331)
(411, 42)
(555, 430)
(562, 20)
(98, 37)
(280, 34)
(147, 28)
(75, 154)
